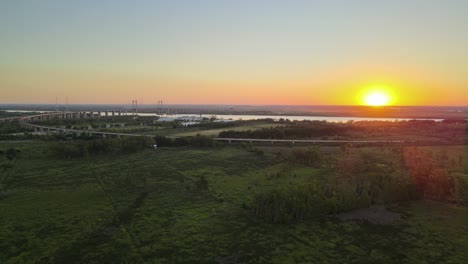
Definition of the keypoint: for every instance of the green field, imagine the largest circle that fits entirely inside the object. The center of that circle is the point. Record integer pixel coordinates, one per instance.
(145, 207)
(146, 125)
(215, 132)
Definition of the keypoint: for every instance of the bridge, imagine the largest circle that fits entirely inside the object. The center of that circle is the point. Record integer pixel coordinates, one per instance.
(26, 121)
(309, 141)
(67, 115)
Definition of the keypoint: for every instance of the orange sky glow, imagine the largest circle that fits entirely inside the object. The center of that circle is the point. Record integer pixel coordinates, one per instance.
(230, 52)
(335, 88)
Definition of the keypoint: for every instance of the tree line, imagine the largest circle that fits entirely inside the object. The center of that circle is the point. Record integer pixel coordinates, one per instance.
(84, 148)
(196, 141)
(79, 147)
(362, 129)
(13, 127)
(436, 176)
(365, 177)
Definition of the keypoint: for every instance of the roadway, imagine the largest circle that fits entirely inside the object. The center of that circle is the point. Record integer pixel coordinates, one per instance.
(313, 141)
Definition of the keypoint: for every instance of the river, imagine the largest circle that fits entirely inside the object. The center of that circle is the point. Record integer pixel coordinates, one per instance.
(274, 117)
(297, 118)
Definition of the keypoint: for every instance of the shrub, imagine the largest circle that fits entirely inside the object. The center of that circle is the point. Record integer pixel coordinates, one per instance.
(290, 205)
(431, 176)
(366, 177)
(201, 184)
(363, 178)
(79, 149)
(308, 157)
(11, 153)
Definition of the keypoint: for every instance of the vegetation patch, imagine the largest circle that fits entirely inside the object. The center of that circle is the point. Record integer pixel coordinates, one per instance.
(186, 204)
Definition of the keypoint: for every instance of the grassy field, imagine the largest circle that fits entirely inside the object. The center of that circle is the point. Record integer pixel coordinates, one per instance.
(167, 129)
(146, 208)
(215, 132)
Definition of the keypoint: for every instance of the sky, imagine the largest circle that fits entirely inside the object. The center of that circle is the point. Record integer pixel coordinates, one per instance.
(234, 52)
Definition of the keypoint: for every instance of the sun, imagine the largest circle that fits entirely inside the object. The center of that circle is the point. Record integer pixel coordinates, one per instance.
(377, 99)
(376, 96)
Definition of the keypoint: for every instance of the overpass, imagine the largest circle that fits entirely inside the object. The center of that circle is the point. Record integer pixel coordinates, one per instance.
(310, 141)
(25, 121)
(67, 115)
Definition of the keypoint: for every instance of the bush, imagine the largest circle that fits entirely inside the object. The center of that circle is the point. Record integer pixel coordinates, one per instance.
(367, 177)
(308, 157)
(201, 141)
(363, 178)
(291, 205)
(79, 149)
(11, 153)
(431, 176)
(162, 141)
(201, 184)
(13, 127)
(196, 141)
(259, 151)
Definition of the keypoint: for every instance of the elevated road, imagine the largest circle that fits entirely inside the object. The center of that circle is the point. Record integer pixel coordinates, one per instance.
(312, 141)
(73, 115)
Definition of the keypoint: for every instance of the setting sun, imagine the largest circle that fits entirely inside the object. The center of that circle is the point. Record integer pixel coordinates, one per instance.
(377, 99)
(376, 96)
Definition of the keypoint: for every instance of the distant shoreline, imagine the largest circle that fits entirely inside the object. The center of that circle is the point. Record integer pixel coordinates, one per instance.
(392, 112)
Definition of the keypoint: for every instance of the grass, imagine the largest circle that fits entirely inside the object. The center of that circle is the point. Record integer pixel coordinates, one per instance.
(164, 128)
(78, 211)
(215, 132)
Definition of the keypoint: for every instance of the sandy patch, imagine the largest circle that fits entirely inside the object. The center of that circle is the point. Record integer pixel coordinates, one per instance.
(374, 214)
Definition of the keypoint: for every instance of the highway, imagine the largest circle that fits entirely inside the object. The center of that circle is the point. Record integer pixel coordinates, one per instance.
(313, 141)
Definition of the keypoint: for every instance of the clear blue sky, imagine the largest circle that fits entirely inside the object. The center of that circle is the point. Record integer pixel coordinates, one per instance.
(192, 50)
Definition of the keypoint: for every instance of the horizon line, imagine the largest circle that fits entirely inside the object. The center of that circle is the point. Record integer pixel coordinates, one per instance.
(260, 105)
